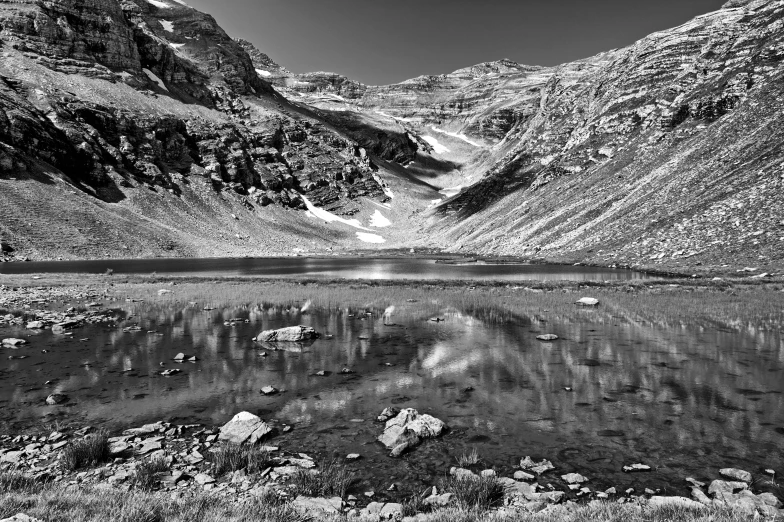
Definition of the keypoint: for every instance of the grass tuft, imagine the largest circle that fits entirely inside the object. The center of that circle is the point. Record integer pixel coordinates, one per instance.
(468, 459)
(481, 493)
(146, 476)
(234, 457)
(89, 451)
(13, 482)
(329, 480)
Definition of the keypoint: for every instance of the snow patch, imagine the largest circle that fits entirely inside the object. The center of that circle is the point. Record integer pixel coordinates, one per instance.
(182, 3)
(261, 72)
(176, 46)
(370, 238)
(154, 78)
(437, 147)
(458, 136)
(451, 191)
(378, 220)
(167, 26)
(329, 217)
(162, 5)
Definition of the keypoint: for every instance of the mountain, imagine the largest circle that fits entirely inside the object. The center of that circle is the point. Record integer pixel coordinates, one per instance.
(140, 128)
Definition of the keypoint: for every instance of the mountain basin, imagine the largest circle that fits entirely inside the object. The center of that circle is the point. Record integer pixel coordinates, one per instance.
(612, 390)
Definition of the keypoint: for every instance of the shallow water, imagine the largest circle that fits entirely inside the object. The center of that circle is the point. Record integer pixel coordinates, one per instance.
(685, 399)
(333, 267)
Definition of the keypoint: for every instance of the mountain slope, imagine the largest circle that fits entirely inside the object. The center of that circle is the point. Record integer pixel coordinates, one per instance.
(145, 125)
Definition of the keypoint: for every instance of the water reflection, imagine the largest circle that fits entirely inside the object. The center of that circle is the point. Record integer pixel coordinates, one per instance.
(336, 267)
(614, 389)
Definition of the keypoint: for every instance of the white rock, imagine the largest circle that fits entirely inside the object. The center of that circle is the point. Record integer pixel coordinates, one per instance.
(244, 428)
(736, 474)
(588, 301)
(681, 502)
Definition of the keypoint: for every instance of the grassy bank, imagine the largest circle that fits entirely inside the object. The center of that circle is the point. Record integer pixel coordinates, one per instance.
(59, 504)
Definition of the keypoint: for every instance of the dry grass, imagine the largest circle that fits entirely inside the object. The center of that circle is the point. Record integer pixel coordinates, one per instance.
(235, 457)
(475, 493)
(146, 477)
(468, 459)
(330, 479)
(89, 451)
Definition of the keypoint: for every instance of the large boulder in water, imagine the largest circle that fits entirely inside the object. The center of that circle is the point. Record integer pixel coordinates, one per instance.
(291, 334)
(408, 429)
(244, 428)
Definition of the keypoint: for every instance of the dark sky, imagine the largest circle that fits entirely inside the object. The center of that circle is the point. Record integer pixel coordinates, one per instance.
(387, 41)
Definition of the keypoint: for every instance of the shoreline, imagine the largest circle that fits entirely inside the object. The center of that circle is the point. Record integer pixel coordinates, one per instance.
(76, 289)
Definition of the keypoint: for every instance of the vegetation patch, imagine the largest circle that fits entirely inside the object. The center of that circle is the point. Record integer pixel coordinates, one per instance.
(235, 457)
(330, 479)
(89, 451)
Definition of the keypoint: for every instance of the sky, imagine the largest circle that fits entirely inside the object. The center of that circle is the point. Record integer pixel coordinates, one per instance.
(379, 42)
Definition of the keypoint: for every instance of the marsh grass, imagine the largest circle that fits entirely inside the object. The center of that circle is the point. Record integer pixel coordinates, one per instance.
(146, 476)
(91, 450)
(235, 457)
(468, 459)
(330, 479)
(477, 493)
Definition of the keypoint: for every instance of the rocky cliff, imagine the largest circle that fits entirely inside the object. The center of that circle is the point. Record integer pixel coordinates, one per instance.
(124, 99)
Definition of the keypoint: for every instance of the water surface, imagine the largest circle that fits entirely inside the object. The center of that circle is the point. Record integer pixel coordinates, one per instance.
(688, 399)
(333, 267)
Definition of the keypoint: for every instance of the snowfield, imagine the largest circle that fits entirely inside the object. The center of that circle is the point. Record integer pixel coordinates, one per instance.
(437, 147)
(378, 220)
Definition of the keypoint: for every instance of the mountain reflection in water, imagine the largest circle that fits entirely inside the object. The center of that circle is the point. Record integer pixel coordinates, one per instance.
(687, 399)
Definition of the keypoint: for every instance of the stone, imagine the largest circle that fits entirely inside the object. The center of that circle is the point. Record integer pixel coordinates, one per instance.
(588, 301)
(353, 456)
(439, 500)
(290, 334)
(522, 475)
(36, 325)
(56, 398)
(700, 496)
(537, 467)
(13, 342)
(170, 372)
(719, 488)
(547, 337)
(269, 390)
(488, 473)
(21, 517)
(695, 483)
(387, 414)
(244, 428)
(636, 467)
(408, 429)
(148, 446)
(770, 499)
(736, 474)
(118, 448)
(146, 429)
(318, 505)
(574, 478)
(463, 473)
(679, 502)
(385, 511)
(203, 479)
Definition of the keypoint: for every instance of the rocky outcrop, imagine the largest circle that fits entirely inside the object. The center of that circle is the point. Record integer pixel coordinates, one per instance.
(408, 429)
(244, 428)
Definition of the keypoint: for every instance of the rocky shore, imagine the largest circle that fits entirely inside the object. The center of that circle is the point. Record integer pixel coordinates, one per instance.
(184, 462)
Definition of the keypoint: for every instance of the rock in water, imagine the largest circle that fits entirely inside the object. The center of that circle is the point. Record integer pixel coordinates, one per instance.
(244, 428)
(588, 301)
(56, 398)
(13, 342)
(736, 474)
(408, 429)
(290, 334)
(547, 337)
(574, 478)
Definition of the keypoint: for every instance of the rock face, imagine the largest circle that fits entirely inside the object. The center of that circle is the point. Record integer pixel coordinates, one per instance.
(290, 334)
(160, 98)
(244, 428)
(408, 429)
(658, 152)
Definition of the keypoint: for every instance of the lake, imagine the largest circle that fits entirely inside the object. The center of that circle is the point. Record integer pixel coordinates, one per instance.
(333, 267)
(614, 390)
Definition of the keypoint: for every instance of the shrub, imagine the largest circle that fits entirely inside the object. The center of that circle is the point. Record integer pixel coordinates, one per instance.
(89, 451)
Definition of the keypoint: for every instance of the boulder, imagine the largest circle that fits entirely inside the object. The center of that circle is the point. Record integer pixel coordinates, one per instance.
(36, 325)
(736, 474)
(13, 342)
(244, 428)
(528, 464)
(574, 478)
(547, 337)
(588, 301)
(290, 334)
(56, 398)
(384, 511)
(408, 429)
(719, 488)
